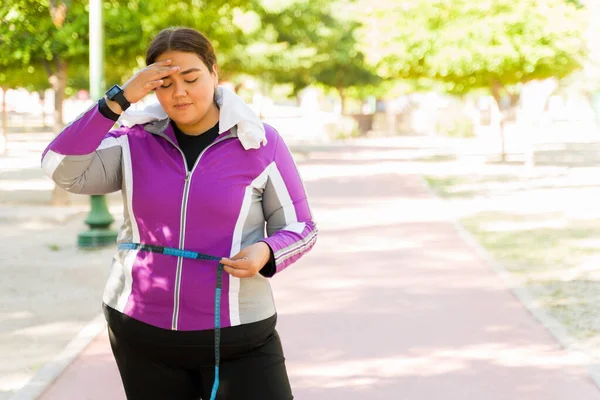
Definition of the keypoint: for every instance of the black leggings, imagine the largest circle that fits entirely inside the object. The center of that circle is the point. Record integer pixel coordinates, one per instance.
(158, 364)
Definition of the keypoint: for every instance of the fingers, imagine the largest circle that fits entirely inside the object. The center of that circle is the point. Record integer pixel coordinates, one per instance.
(240, 268)
(238, 273)
(163, 71)
(159, 63)
(153, 84)
(148, 79)
(235, 262)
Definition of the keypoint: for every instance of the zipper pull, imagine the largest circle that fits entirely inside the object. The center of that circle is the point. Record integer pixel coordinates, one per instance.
(187, 176)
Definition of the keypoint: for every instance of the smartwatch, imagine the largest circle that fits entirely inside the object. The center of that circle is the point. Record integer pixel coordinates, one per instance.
(115, 93)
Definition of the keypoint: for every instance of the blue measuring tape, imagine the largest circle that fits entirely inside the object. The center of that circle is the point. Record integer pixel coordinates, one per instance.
(170, 251)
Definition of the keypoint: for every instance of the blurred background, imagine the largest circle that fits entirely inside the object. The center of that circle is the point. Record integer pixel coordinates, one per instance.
(493, 104)
(487, 69)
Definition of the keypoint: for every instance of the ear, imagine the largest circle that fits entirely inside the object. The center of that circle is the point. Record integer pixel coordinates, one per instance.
(215, 72)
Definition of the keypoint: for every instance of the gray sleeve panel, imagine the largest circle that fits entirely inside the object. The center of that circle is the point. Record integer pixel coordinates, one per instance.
(96, 173)
(255, 295)
(273, 209)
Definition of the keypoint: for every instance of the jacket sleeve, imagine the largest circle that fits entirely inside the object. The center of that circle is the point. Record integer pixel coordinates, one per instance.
(85, 158)
(291, 232)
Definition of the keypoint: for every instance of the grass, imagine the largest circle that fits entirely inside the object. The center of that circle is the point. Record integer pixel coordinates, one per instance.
(460, 186)
(53, 247)
(447, 185)
(575, 303)
(557, 257)
(547, 247)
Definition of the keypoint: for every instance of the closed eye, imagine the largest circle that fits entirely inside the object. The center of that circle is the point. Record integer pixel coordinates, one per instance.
(169, 85)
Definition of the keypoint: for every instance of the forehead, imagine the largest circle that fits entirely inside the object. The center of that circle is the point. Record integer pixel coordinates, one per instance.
(182, 59)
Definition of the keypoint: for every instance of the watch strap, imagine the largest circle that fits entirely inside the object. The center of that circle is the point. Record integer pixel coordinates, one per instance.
(106, 111)
(122, 100)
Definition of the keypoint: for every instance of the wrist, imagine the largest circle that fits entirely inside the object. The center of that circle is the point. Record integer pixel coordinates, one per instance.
(269, 268)
(113, 105)
(266, 252)
(106, 111)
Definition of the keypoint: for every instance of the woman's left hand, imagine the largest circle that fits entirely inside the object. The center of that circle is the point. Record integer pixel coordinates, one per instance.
(249, 261)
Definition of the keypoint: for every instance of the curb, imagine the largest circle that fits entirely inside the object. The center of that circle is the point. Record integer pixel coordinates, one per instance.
(53, 369)
(524, 296)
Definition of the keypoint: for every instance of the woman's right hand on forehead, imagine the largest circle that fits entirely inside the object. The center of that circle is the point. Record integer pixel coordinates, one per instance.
(147, 79)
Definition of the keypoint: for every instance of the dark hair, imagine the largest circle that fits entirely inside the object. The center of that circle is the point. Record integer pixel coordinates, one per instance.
(182, 39)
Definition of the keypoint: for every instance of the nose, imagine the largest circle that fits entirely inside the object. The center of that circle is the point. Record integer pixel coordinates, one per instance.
(179, 90)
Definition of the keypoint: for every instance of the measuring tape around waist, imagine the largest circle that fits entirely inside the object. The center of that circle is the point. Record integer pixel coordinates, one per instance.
(170, 251)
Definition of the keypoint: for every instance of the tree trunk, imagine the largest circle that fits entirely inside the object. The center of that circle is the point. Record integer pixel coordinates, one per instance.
(58, 80)
(4, 142)
(42, 94)
(59, 84)
(342, 94)
(495, 90)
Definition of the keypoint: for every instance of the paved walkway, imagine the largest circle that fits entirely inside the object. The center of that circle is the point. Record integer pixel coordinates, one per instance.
(391, 304)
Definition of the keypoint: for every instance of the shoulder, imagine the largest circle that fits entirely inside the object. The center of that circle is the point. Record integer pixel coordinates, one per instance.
(274, 139)
(270, 131)
(276, 149)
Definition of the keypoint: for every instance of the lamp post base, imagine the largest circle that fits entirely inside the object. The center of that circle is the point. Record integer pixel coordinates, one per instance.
(99, 220)
(96, 238)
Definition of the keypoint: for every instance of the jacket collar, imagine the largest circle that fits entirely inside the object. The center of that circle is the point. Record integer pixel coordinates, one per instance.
(164, 128)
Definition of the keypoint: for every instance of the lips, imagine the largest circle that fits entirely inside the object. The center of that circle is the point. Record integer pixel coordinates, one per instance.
(182, 106)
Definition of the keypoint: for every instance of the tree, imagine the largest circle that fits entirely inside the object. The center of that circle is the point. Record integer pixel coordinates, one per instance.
(305, 42)
(286, 47)
(48, 34)
(14, 75)
(494, 44)
(53, 34)
(344, 66)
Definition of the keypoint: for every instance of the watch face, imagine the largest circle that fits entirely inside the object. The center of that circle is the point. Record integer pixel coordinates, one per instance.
(112, 92)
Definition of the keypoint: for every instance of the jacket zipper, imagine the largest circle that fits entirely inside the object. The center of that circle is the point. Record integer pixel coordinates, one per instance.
(184, 203)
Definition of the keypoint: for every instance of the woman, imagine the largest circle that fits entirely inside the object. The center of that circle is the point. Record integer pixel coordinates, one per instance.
(189, 307)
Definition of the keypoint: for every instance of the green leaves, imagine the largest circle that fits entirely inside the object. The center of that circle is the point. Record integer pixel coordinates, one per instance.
(293, 41)
(463, 44)
(309, 43)
(470, 44)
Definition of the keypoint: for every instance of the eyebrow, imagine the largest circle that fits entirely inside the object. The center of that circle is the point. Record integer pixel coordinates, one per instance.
(187, 71)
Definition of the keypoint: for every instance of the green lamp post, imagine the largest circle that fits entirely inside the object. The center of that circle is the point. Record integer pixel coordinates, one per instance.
(99, 218)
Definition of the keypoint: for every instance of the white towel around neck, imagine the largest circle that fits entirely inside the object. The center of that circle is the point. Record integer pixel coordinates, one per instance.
(233, 111)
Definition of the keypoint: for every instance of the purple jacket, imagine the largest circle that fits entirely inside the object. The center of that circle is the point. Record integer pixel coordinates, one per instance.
(232, 198)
